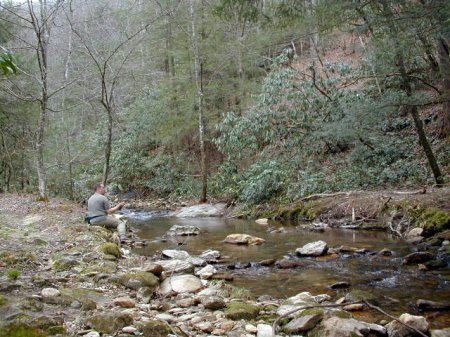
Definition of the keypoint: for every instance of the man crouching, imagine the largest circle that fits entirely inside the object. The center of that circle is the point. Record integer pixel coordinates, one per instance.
(99, 212)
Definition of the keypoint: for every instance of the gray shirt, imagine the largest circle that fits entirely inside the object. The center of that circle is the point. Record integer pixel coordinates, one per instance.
(98, 204)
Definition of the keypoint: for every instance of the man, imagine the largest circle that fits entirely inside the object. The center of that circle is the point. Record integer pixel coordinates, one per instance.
(99, 212)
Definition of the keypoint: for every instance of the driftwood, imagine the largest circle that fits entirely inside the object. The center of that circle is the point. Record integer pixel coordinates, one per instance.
(275, 324)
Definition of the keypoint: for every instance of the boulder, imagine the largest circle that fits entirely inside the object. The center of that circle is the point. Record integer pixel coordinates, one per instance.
(180, 284)
(396, 329)
(203, 210)
(417, 257)
(263, 221)
(176, 254)
(206, 272)
(264, 330)
(302, 323)
(440, 333)
(176, 266)
(432, 306)
(210, 255)
(316, 248)
(179, 230)
(50, 295)
(243, 239)
(349, 327)
(287, 264)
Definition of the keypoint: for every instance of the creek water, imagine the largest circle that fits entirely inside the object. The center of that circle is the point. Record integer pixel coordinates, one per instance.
(397, 286)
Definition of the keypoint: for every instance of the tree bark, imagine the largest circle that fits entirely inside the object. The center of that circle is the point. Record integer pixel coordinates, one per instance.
(444, 66)
(199, 97)
(439, 179)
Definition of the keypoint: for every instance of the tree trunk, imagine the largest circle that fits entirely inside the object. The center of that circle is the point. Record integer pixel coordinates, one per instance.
(444, 66)
(108, 145)
(199, 96)
(419, 125)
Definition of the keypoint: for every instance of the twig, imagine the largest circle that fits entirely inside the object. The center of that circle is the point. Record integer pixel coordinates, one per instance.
(275, 324)
(393, 317)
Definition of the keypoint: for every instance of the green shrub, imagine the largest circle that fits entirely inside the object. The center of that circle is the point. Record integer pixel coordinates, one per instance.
(14, 274)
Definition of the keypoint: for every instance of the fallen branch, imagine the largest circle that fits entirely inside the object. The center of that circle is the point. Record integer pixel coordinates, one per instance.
(275, 324)
(393, 317)
(326, 195)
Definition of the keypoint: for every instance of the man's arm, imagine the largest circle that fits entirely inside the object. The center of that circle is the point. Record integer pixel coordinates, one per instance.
(115, 208)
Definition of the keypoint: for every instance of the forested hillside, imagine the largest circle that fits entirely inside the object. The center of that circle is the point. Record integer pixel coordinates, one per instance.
(245, 100)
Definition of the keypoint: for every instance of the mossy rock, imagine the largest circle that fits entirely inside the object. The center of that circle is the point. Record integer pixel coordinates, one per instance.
(312, 312)
(107, 267)
(361, 295)
(341, 314)
(267, 318)
(21, 330)
(56, 330)
(240, 310)
(109, 323)
(111, 249)
(68, 295)
(139, 280)
(3, 300)
(434, 220)
(155, 328)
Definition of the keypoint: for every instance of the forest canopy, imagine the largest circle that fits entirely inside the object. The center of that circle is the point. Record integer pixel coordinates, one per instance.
(248, 100)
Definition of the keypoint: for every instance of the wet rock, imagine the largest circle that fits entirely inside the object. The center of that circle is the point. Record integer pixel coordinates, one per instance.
(92, 334)
(243, 239)
(179, 230)
(262, 221)
(417, 257)
(343, 327)
(347, 249)
(180, 284)
(197, 261)
(210, 256)
(440, 333)
(385, 252)
(425, 305)
(223, 276)
(268, 262)
(361, 295)
(206, 272)
(396, 329)
(316, 248)
(176, 254)
(435, 264)
(444, 254)
(418, 231)
(340, 285)
(287, 264)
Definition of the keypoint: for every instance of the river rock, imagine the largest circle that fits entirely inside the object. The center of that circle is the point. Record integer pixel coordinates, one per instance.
(316, 248)
(396, 329)
(212, 302)
(154, 268)
(176, 254)
(340, 285)
(418, 231)
(50, 295)
(287, 264)
(349, 327)
(203, 210)
(432, 306)
(179, 230)
(176, 266)
(210, 256)
(206, 272)
(440, 333)
(180, 284)
(303, 323)
(264, 330)
(417, 257)
(243, 239)
(263, 221)
(124, 302)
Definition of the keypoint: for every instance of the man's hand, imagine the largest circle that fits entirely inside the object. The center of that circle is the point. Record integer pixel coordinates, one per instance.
(120, 205)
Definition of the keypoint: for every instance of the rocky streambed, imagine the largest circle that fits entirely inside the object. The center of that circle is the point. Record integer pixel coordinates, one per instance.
(61, 277)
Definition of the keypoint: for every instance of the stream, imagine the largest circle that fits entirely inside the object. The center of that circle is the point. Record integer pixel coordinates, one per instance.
(397, 286)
